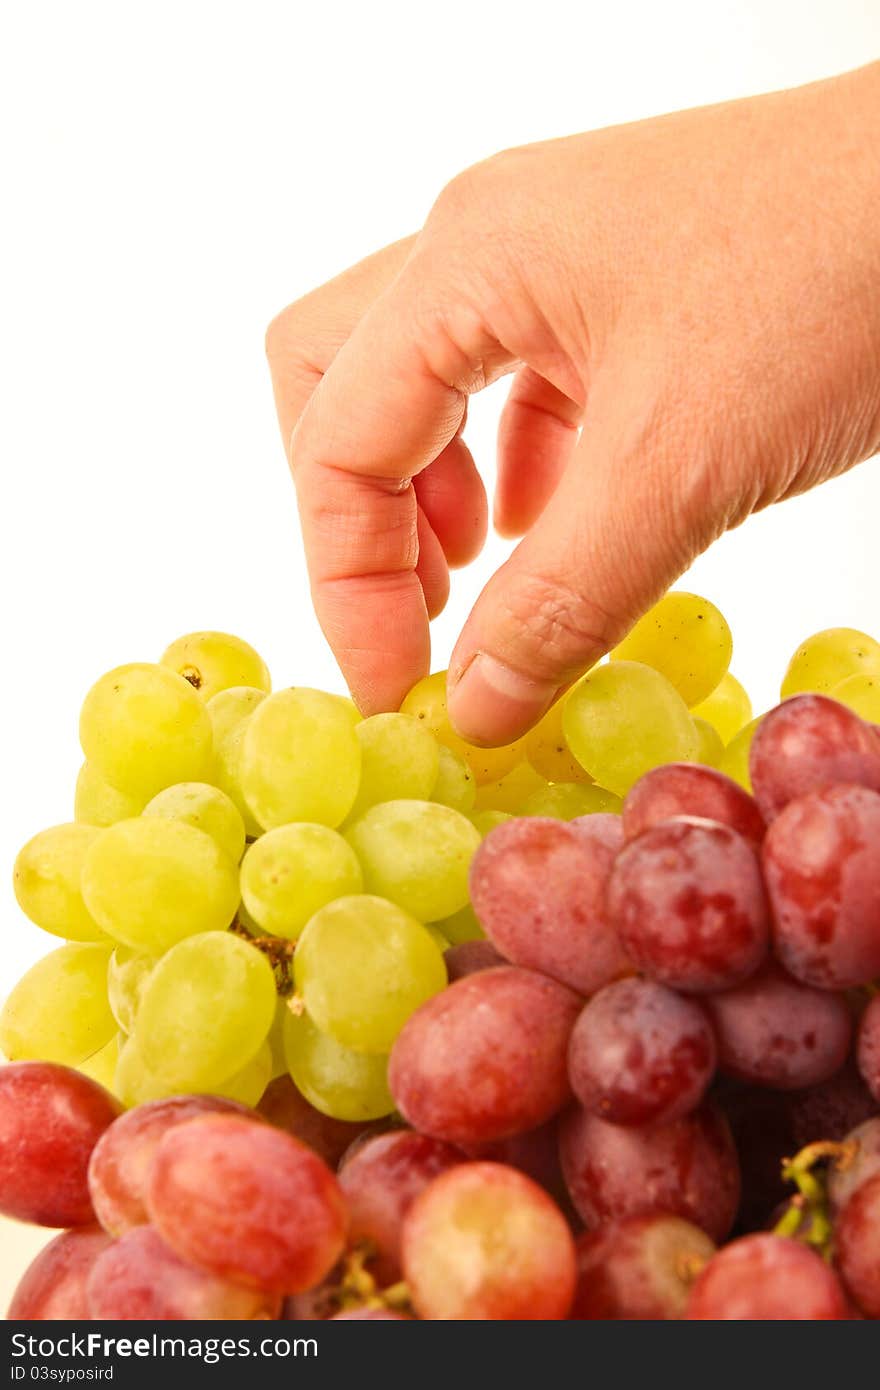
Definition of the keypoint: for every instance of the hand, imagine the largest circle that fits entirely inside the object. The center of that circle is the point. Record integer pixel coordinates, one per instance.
(691, 308)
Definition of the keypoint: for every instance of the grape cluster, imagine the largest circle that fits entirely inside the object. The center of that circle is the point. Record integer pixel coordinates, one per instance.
(355, 1020)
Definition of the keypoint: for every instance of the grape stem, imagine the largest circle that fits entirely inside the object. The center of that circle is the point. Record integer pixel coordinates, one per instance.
(277, 950)
(806, 1217)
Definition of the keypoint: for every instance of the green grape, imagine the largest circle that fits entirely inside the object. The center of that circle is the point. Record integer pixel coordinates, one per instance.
(206, 1009)
(735, 759)
(95, 802)
(686, 639)
(399, 757)
(547, 751)
(150, 882)
(205, 808)
(711, 748)
(248, 1084)
(440, 941)
(484, 821)
(127, 975)
(341, 1083)
(825, 659)
(58, 1011)
(292, 871)
(101, 1066)
(229, 713)
(427, 702)
(455, 785)
(46, 880)
(567, 800)
(135, 1084)
(862, 694)
(350, 708)
(417, 854)
(143, 727)
(362, 966)
(462, 926)
(300, 759)
(276, 1039)
(624, 718)
(214, 661)
(512, 791)
(728, 709)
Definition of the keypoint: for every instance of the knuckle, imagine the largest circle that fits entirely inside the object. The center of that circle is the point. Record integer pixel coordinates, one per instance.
(565, 629)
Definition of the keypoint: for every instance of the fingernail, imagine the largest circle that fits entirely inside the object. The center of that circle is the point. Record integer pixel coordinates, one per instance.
(493, 704)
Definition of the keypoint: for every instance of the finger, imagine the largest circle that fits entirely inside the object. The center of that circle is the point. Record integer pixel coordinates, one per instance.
(537, 435)
(452, 496)
(431, 567)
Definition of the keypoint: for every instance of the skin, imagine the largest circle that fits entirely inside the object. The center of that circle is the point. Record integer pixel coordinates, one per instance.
(689, 308)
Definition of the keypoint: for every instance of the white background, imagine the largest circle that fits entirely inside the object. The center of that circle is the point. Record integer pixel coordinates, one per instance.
(172, 174)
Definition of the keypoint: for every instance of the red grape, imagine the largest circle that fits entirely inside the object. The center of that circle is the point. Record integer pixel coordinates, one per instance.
(857, 1244)
(535, 1152)
(687, 1168)
(767, 1278)
(829, 1110)
(689, 789)
(470, 956)
(51, 1117)
(380, 1182)
(371, 1315)
(53, 1287)
(121, 1159)
(861, 1162)
(775, 1031)
(248, 1202)
(809, 743)
(639, 1268)
(140, 1278)
(284, 1106)
(538, 889)
(689, 904)
(640, 1054)
(822, 869)
(868, 1051)
(484, 1242)
(486, 1058)
(603, 827)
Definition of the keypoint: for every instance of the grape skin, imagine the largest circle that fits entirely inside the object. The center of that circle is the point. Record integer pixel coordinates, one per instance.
(127, 975)
(868, 1051)
(767, 1278)
(807, 744)
(300, 759)
(547, 751)
(454, 784)
(686, 639)
(686, 789)
(46, 880)
(399, 758)
(427, 703)
(59, 1011)
(293, 871)
(861, 1163)
(416, 854)
(486, 1058)
(341, 1083)
(857, 1238)
(287, 1108)
(568, 800)
(828, 657)
(215, 661)
(229, 713)
(205, 808)
(638, 1268)
(728, 709)
(53, 1287)
(96, 803)
(50, 1120)
(484, 1242)
(247, 1202)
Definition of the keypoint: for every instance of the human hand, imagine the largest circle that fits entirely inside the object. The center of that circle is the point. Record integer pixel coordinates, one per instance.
(691, 308)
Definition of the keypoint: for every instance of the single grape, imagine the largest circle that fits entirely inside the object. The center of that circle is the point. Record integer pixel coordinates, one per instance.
(120, 1160)
(287, 1108)
(827, 658)
(860, 694)
(510, 793)
(215, 661)
(362, 966)
(150, 882)
(735, 762)
(206, 1009)
(380, 1182)
(50, 1120)
(127, 975)
(832, 1109)
(603, 827)
(767, 1278)
(229, 713)
(777, 1032)
(136, 1084)
(687, 1168)
(809, 743)
(204, 807)
(686, 789)
(399, 758)
(468, 957)
(247, 1202)
(538, 888)
(97, 803)
(248, 1083)
(58, 1011)
(859, 1162)
(728, 709)
(486, 1058)
(624, 718)
(547, 751)
(101, 1066)
(484, 1242)
(462, 926)
(568, 800)
(857, 1244)
(484, 821)
(140, 1279)
(689, 906)
(711, 749)
(46, 879)
(684, 637)
(640, 1054)
(822, 871)
(341, 1083)
(53, 1287)
(417, 854)
(638, 1268)
(143, 727)
(300, 759)
(868, 1051)
(292, 871)
(454, 785)
(427, 703)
